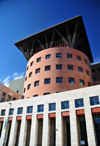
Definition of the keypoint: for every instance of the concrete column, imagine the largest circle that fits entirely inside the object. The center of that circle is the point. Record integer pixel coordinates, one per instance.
(89, 123)
(73, 124)
(22, 136)
(33, 134)
(46, 126)
(58, 124)
(3, 131)
(13, 129)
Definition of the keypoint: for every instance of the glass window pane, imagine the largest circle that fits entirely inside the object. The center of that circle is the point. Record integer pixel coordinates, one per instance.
(52, 106)
(47, 81)
(48, 56)
(59, 66)
(58, 55)
(94, 100)
(30, 109)
(79, 103)
(40, 108)
(71, 80)
(59, 80)
(47, 68)
(65, 105)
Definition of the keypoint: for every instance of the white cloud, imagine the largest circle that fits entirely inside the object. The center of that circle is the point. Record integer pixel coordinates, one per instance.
(6, 81)
(15, 76)
(18, 76)
(96, 61)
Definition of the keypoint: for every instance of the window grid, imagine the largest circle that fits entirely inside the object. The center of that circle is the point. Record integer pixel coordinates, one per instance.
(65, 105)
(69, 55)
(80, 69)
(52, 106)
(70, 67)
(3, 112)
(58, 55)
(20, 110)
(36, 83)
(79, 103)
(30, 74)
(29, 86)
(71, 80)
(38, 70)
(79, 58)
(4, 94)
(36, 95)
(47, 81)
(47, 68)
(48, 56)
(59, 80)
(81, 82)
(46, 93)
(94, 100)
(39, 59)
(11, 111)
(31, 63)
(29, 109)
(59, 66)
(40, 108)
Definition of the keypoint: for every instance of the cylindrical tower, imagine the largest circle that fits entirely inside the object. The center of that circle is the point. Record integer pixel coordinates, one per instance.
(58, 59)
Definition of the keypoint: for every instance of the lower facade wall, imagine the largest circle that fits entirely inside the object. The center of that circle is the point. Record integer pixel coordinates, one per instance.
(61, 127)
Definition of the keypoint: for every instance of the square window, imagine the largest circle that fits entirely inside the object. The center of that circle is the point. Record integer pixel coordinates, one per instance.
(39, 59)
(48, 56)
(30, 74)
(47, 68)
(46, 93)
(36, 95)
(4, 94)
(78, 58)
(37, 70)
(36, 83)
(31, 63)
(80, 69)
(65, 105)
(85, 61)
(93, 70)
(58, 55)
(71, 80)
(59, 80)
(70, 67)
(29, 86)
(95, 79)
(87, 72)
(3, 112)
(52, 106)
(59, 66)
(79, 103)
(69, 55)
(94, 100)
(40, 108)
(29, 109)
(20, 110)
(11, 111)
(47, 81)
(81, 82)
(9, 97)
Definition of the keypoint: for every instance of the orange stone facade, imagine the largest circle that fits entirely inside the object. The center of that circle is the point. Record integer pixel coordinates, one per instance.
(53, 73)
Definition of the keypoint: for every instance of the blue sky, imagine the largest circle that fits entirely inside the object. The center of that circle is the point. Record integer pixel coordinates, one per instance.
(22, 18)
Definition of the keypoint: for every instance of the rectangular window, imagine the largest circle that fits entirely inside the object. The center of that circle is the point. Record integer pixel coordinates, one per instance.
(14, 98)
(29, 86)
(94, 100)
(78, 58)
(47, 68)
(89, 84)
(29, 109)
(59, 80)
(65, 105)
(81, 82)
(87, 72)
(39, 59)
(95, 79)
(52, 106)
(79, 103)
(47, 81)
(3, 112)
(70, 67)
(48, 56)
(80, 69)
(30, 74)
(20, 110)
(93, 70)
(4, 94)
(40, 108)
(58, 55)
(69, 55)
(2, 99)
(31, 63)
(36, 95)
(85, 61)
(71, 80)
(46, 93)
(25, 78)
(59, 66)
(9, 97)
(37, 70)
(36, 83)
(11, 111)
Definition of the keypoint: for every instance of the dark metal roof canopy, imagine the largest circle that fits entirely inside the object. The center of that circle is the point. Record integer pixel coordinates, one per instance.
(71, 33)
